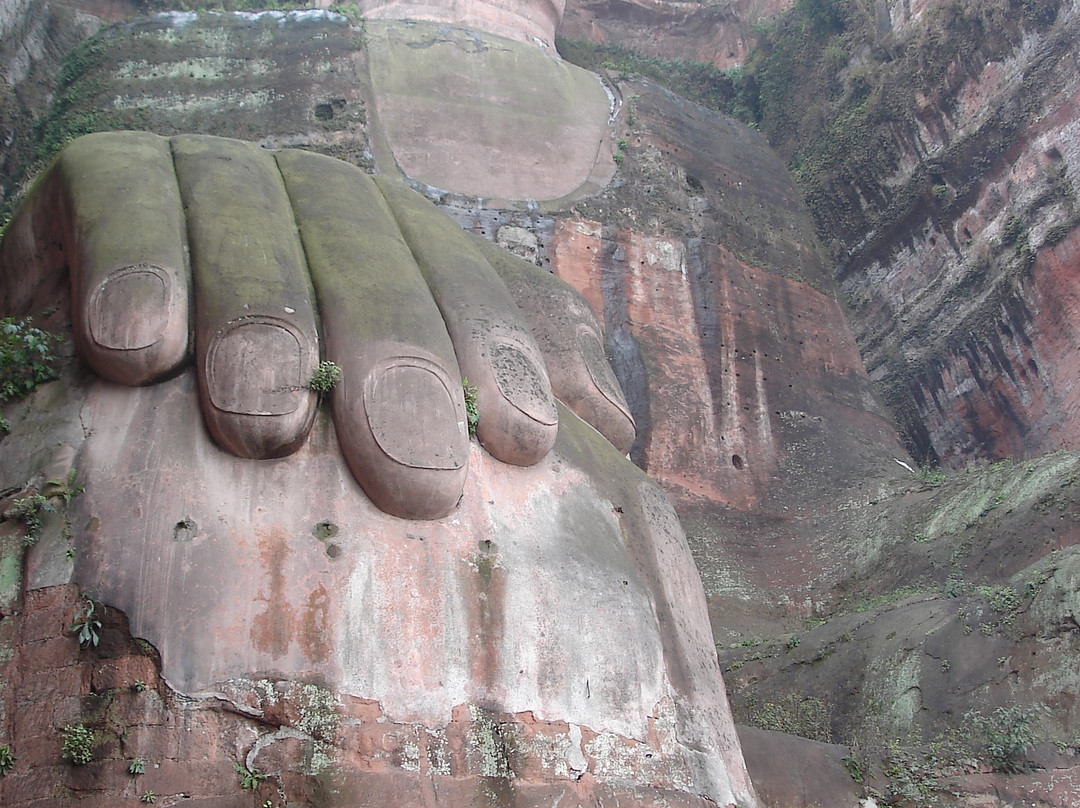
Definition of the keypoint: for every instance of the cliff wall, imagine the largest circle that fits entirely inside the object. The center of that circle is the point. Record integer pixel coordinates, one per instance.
(935, 145)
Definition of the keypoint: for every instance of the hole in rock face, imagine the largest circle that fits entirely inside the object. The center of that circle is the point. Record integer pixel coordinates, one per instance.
(324, 112)
(324, 530)
(333, 550)
(737, 461)
(185, 529)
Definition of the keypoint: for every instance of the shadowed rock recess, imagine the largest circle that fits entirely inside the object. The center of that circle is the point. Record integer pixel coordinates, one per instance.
(881, 272)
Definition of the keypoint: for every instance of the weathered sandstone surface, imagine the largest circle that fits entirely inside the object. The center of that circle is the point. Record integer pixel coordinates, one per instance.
(852, 604)
(295, 630)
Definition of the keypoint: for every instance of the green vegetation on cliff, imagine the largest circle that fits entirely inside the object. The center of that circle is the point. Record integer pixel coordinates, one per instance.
(841, 95)
(729, 91)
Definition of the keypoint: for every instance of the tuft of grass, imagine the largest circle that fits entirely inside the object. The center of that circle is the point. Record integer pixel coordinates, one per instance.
(249, 778)
(472, 411)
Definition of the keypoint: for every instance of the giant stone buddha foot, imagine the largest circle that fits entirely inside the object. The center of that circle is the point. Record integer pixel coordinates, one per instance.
(514, 620)
(284, 246)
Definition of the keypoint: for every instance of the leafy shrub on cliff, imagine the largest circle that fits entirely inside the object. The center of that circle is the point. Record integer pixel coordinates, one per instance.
(1007, 735)
(472, 411)
(26, 358)
(325, 378)
(1013, 230)
(86, 626)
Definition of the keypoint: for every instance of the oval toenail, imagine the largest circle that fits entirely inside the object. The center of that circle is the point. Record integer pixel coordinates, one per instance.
(256, 367)
(600, 371)
(413, 415)
(129, 310)
(519, 372)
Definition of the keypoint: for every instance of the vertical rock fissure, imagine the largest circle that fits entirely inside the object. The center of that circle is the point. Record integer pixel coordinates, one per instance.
(622, 348)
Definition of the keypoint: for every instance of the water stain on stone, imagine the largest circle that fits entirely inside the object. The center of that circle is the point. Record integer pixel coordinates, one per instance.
(271, 629)
(314, 624)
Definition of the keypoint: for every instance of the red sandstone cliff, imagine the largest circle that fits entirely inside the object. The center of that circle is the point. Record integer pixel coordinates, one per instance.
(729, 340)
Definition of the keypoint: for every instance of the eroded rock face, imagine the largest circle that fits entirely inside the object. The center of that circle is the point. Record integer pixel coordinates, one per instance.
(703, 224)
(745, 384)
(953, 234)
(296, 740)
(706, 32)
(943, 203)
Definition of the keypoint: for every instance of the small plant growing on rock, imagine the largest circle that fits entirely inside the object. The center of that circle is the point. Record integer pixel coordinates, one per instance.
(856, 767)
(78, 744)
(325, 377)
(911, 776)
(148, 797)
(68, 490)
(86, 627)
(1013, 230)
(472, 411)
(249, 778)
(7, 760)
(30, 510)
(930, 476)
(136, 767)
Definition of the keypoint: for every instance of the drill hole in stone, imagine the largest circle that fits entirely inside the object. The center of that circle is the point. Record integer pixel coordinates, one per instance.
(185, 529)
(324, 530)
(737, 461)
(333, 550)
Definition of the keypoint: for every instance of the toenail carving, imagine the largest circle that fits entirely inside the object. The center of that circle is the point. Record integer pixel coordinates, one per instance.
(130, 309)
(256, 366)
